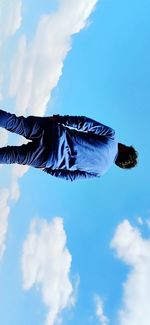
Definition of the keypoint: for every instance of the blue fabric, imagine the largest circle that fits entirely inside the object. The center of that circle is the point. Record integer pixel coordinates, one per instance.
(83, 148)
(69, 147)
(37, 129)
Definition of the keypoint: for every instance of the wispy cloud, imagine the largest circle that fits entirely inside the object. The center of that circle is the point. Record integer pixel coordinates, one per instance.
(103, 320)
(18, 171)
(10, 21)
(140, 221)
(10, 18)
(37, 65)
(3, 137)
(4, 212)
(46, 262)
(134, 251)
(148, 223)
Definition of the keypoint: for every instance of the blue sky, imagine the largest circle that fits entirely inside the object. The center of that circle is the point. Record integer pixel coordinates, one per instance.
(76, 253)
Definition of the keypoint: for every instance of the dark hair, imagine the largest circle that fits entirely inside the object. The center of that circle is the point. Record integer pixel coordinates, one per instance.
(127, 156)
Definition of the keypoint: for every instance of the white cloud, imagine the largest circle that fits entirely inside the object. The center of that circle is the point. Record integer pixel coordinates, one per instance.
(38, 65)
(134, 251)
(4, 196)
(3, 137)
(4, 212)
(10, 18)
(10, 22)
(18, 171)
(46, 262)
(103, 320)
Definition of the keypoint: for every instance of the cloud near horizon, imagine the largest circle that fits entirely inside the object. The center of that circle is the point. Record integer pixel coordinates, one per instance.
(134, 251)
(46, 262)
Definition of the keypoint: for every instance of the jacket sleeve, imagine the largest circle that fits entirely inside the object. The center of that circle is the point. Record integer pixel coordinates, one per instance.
(85, 124)
(70, 175)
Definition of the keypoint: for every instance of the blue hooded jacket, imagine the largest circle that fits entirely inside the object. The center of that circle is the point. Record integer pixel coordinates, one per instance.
(81, 148)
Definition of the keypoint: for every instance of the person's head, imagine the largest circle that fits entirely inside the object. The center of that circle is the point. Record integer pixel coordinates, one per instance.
(127, 156)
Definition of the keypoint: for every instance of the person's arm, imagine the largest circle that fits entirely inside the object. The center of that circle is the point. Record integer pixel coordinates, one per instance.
(84, 124)
(69, 175)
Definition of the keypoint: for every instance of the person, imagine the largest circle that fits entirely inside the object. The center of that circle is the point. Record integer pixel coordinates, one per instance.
(69, 147)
